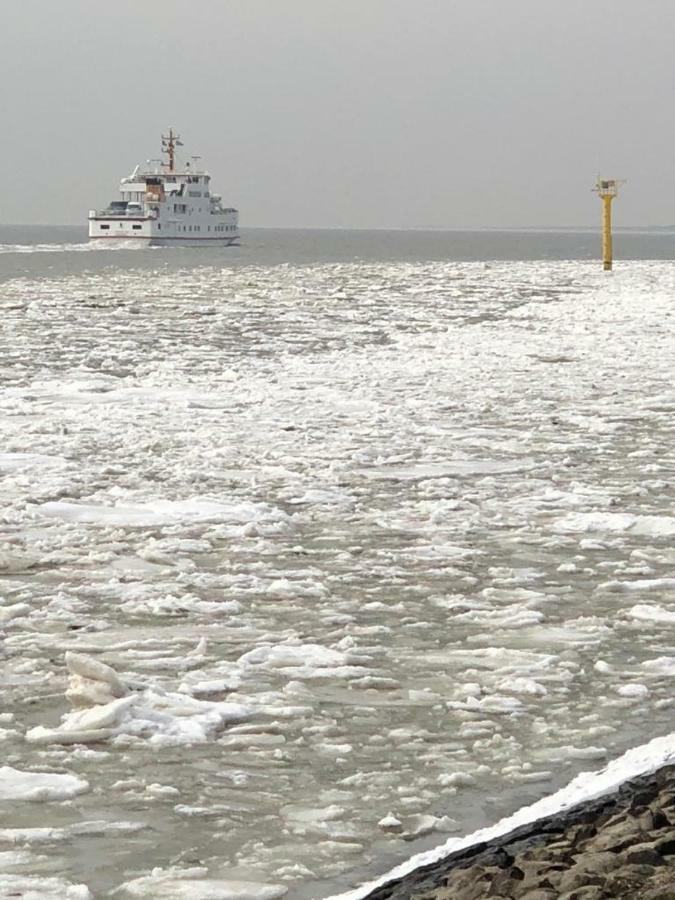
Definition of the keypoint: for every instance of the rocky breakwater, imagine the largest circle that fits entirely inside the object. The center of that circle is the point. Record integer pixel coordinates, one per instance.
(619, 846)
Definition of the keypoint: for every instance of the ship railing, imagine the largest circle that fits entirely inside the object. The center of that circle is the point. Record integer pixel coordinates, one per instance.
(122, 214)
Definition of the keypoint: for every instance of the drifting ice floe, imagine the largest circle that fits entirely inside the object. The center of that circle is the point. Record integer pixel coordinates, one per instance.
(113, 710)
(651, 526)
(38, 786)
(164, 512)
(29, 887)
(307, 661)
(193, 884)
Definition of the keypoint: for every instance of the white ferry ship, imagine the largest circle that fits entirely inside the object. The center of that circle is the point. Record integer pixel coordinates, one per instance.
(162, 204)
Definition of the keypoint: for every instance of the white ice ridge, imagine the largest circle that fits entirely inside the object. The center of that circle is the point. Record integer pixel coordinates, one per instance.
(106, 708)
(586, 786)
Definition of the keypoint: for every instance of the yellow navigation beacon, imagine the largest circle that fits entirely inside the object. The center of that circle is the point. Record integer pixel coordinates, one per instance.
(607, 189)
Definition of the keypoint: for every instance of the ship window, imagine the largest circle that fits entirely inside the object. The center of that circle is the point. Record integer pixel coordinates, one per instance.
(136, 227)
(104, 227)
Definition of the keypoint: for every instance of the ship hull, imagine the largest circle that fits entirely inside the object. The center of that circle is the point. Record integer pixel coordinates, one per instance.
(136, 241)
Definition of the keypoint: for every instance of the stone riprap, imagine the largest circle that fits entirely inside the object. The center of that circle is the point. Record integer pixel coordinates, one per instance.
(618, 846)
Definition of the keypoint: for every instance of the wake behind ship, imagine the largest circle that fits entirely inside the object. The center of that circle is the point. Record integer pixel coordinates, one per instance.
(162, 204)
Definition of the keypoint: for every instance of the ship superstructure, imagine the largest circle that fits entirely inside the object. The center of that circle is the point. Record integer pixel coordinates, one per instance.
(165, 203)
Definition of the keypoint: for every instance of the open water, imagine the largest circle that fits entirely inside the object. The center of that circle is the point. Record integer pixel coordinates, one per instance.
(367, 523)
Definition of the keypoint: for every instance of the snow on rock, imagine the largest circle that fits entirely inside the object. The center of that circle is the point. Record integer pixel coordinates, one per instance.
(192, 884)
(39, 786)
(160, 716)
(585, 787)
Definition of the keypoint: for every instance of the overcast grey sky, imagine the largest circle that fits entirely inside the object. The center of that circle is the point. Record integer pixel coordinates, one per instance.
(361, 113)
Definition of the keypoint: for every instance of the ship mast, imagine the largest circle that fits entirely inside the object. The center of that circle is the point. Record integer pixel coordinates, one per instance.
(169, 143)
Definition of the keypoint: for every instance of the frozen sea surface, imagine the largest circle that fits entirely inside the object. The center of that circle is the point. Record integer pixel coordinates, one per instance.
(329, 547)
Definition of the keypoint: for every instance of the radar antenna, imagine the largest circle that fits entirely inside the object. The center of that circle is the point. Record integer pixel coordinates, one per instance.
(169, 143)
